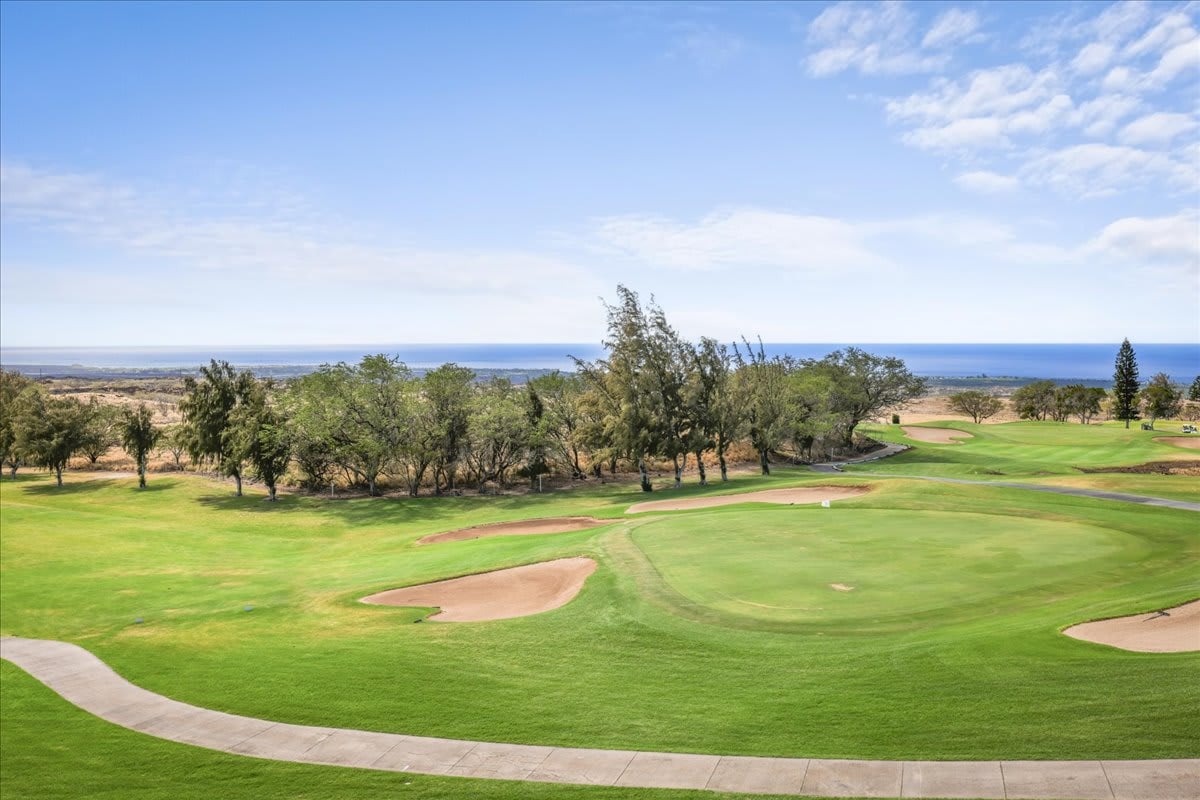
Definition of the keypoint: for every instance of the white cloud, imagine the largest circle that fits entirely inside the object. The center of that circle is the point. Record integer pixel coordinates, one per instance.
(1157, 128)
(952, 26)
(1093, 58)
(1096, 170)
(1174, 239)
(1100, 116)
(985, 182)
(245, 240)
(874, 39)
(746, 237)
(971, 134)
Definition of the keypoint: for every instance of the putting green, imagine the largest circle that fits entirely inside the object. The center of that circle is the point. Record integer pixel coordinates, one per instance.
(859, 570)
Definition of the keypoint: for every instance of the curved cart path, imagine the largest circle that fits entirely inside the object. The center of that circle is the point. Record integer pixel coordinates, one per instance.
(89, 683)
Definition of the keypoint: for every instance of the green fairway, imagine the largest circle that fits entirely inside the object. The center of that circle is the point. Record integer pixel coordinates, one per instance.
(848, 570)
(713, 631)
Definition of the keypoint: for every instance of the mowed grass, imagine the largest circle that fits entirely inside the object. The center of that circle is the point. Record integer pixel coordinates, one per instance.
(849, 570)
(949, 646)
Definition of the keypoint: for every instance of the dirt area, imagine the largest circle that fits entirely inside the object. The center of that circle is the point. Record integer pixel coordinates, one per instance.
(787, 497)
(1187, 442)
(841, 587)
(935, 407)
(1175, 630)
(1151, 468)
(503, 594)
(522, 527)
(936, 435)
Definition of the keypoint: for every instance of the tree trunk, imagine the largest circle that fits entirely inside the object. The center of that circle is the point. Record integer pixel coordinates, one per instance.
(12, 471)
(678, 472)
(271, 492)
(371, 486)
(58, 476)
(722, 445)
(596, 469)
(762, 459)
(141, 473)
(237, 477)
(646, 487)
(612, 466)
(700, 466)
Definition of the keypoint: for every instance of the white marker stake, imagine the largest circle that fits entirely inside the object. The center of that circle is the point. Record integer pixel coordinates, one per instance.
(824, 504)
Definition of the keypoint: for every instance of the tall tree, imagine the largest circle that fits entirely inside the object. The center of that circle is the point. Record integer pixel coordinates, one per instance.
(1125, 384)
(868, 384)
(1194, 391)
(498, 429)
(49, 429)
(762, 385)
(1162, 400)
(562, 418)
(12, 383)
(1080, 401)
(207, 407)
(259, 435)
(716, 408)
(138, 437)
(975, 404)
(448, 390)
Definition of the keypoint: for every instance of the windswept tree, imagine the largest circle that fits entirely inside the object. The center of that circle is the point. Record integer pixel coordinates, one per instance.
(629, 384)
(1125, 384)
(762, 385)
(671, 360)
(259, 435)
(1035, 400)
(866, 384)
(1161, 399)
(561, 418)
(448, 391)
(139, 435)
(207, 407)
(49, 430)
(975, 404)
(1194, 391)
(12, 383)
(716, 408)
(174, 442)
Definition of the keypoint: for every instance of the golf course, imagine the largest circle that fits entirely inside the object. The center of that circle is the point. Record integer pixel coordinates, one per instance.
(908, 619)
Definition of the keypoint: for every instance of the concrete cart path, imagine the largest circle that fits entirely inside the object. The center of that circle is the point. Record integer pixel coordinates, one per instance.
(89, 683)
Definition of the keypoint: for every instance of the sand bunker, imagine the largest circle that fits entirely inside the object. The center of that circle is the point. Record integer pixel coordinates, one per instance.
(1190, 442)
(518, 528)
(808, 494)
(503, 594)
(1175, 631)
(935, 435)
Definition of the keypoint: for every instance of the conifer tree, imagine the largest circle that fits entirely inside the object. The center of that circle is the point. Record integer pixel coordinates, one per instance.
(1125, 384)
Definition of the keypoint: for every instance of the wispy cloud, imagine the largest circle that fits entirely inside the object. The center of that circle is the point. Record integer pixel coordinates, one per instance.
(986, 182)
(873, 39)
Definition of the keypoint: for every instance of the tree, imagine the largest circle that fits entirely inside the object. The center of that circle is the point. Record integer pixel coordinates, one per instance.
(259, 436)
(175, 442)
(1035, 400)
(1080, 401)
(1194, 391)
(717, 409)
(49, 430)
(1125, 384)
(448, 392)
(867, 384)
(498, 429)
(11, 385)
(562, 417)
(207, 407)
(138, 436)
(762, 385)
(101, 430)
(975, 404)
(1162, 400)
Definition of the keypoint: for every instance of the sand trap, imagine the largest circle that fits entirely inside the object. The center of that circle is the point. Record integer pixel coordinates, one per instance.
(1190, 442)
(519, 528)
(935, 435)
(1147, 633)
(503, 594)
(809, 494)
(841, 587)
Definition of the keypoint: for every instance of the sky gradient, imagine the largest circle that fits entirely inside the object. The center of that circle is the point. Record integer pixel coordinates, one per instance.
(224, 173)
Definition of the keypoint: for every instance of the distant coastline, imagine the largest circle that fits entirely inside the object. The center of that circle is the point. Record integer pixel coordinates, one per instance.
(1001, 363)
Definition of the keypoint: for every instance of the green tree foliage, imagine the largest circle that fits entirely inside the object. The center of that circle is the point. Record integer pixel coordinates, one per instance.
(498, 431)
(1035, 400)
(49, 430)
(866, 384)
(975, 404)
(1194, 391)
(101, 430)
(716, 407)
(1125, 384)
(447, 391)
(174, 442)
(1161, 399)
(1079, 401)
(761, 384)
(12, 383)
(138, 436)
(207, 408)
(259, 436)
(561, 419)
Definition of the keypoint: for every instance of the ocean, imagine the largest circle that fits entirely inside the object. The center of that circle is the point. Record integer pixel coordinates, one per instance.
(1062, 362)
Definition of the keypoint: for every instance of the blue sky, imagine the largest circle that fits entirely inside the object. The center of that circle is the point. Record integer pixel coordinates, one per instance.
(222, 173)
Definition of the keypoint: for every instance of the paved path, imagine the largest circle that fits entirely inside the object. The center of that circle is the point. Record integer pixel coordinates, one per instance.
(1097, 494)
(89, 683)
